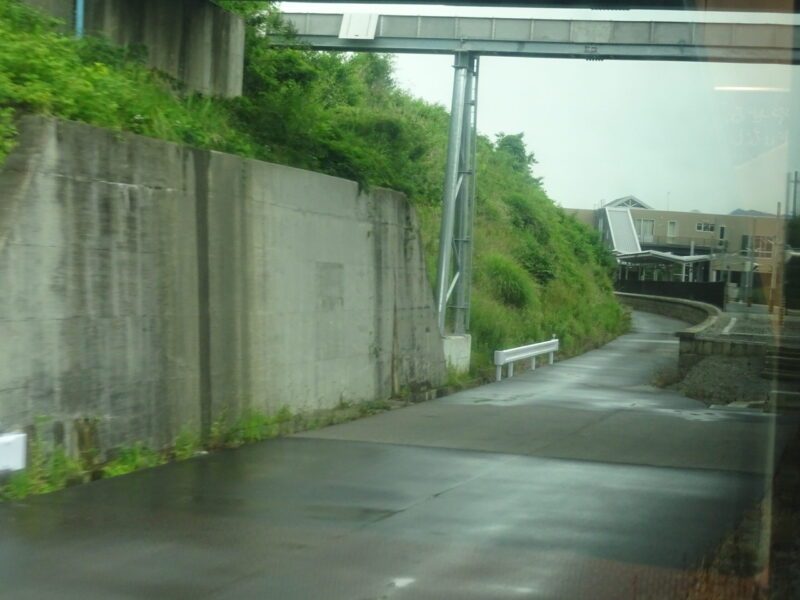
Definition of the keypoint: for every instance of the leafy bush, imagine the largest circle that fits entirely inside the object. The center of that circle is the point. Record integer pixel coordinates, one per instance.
(62, 470)
(45, 472)
(7, 132)
(133, 459)
(536, 261)
(17, 488)
(489, 324)
(524, 216)
(252, 426)
(507, 281)
(186, 444)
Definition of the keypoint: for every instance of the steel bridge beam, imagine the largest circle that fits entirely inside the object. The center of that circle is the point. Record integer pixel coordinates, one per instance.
(594, 40)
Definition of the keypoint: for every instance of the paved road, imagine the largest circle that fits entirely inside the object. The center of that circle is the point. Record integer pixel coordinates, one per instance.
(574, 481)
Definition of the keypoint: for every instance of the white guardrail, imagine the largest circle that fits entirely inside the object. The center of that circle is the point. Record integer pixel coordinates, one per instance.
(508, 357)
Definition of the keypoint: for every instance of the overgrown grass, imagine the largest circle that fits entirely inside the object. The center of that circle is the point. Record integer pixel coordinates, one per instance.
(187, 444)
(89, 80)
(506, 281)
(52, 470)
(133, 459)
(538, 271)
(46, 472)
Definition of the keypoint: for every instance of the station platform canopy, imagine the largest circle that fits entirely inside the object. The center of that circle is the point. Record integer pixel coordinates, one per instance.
(655, 257)
(587, 39)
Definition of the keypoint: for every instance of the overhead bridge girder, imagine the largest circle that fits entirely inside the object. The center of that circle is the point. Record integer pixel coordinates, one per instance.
(556, 38)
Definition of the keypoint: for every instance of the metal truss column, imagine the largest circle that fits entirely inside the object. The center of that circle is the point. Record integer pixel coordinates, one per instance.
(465, 202)
(452, 183)
(80, 15)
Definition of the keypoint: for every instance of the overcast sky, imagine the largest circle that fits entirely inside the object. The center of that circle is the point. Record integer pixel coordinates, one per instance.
(601, 130)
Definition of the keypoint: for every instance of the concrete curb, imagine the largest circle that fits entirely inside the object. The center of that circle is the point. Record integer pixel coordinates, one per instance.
(694, 345)
(702, 316)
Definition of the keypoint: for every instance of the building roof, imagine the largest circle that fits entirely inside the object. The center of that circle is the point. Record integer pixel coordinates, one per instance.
(741, 212)
(655, 257)
(627, 202)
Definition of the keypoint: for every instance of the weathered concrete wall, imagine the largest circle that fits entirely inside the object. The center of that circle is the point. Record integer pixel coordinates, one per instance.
(98, 282)
(152, 286)
(693, 349)
(325, 287)
(457, 352)
(194, 41)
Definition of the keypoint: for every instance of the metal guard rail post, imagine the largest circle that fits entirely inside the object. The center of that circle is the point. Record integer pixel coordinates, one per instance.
(503, 357)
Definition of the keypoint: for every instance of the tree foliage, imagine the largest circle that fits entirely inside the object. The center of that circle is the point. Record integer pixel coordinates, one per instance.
(514, 148)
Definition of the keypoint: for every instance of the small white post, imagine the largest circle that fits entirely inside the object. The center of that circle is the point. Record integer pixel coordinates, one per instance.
(533, 363)
(13, 451)
(511, 369)
(498, 372)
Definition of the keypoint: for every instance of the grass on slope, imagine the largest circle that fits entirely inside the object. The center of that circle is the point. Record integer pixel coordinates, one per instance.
(89, 80)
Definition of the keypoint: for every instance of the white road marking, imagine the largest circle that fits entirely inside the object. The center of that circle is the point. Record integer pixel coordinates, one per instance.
(729, 326)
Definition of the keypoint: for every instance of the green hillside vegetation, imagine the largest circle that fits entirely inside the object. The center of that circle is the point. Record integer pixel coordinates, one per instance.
(538, 272)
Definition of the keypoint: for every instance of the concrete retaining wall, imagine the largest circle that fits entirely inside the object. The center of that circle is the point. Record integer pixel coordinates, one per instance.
(152, 286)
(194, 41)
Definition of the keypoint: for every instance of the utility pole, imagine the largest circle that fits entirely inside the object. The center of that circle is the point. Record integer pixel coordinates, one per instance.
(774, 276)
(749, 266)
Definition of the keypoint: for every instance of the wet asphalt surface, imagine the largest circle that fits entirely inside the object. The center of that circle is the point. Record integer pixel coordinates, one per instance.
(573, 481)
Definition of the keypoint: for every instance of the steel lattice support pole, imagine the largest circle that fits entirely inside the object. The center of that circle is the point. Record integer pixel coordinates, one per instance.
(452, 183)
(80, 16)
(465, 202)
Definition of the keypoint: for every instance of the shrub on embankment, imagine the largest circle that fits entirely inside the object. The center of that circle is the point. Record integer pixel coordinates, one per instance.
(537, 270)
